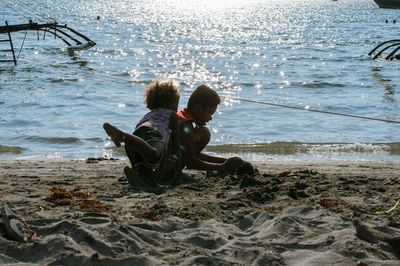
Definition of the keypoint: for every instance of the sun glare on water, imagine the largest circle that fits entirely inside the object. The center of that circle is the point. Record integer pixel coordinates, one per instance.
(207, 4)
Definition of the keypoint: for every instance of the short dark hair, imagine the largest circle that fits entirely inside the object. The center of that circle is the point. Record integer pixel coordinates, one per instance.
(161, 94)
(205, 96)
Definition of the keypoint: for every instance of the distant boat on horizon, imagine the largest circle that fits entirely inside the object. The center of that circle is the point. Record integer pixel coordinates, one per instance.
(388, 3)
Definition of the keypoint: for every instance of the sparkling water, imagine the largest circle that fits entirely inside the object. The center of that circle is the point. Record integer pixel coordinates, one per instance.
(311, 54)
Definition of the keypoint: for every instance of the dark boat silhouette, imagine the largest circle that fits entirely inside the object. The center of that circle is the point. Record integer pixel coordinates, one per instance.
(388, 3)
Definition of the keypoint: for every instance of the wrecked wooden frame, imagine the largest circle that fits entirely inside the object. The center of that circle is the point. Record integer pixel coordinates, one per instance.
(72, 38)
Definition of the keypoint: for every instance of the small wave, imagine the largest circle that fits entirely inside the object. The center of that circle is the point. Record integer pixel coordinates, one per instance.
(10, 149)
(59, 80)
(323, 85)
(66, 140)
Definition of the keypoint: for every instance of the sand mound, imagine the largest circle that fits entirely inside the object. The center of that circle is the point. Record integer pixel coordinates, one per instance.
(288, 213)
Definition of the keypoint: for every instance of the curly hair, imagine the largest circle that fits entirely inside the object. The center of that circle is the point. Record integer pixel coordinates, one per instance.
(161, 94)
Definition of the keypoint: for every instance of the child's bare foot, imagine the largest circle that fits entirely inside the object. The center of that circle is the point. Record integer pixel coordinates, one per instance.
(140, 176)
(114, 133)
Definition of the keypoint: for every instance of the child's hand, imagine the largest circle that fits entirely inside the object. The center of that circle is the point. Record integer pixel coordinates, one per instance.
(246, 168)
(231, 164)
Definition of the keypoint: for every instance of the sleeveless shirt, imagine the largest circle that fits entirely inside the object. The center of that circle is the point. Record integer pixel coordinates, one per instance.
(158, 119)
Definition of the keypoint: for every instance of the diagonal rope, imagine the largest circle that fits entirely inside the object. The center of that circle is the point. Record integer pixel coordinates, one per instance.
(22, 45)
(227, 97)
(17, 10)
(313, 110)
(36, 11)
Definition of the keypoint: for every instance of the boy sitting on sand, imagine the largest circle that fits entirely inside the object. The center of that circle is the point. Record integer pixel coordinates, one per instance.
(195, 136)
(148, 144)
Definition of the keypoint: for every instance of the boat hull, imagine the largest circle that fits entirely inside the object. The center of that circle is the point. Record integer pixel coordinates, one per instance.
(394, 4)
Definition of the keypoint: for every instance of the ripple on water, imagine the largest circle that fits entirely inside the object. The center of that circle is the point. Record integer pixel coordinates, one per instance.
(298, 53)
(11, 149)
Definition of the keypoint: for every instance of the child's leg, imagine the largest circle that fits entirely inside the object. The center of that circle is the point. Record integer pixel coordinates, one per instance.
(202, 138)
(139, 177)
(133, 156)
(114, 133)
(150, 151)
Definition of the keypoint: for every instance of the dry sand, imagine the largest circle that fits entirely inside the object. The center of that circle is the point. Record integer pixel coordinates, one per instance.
(290, 213)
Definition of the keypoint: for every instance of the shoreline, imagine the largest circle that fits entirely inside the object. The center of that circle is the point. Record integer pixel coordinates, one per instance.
(290, 212)
(258, 152)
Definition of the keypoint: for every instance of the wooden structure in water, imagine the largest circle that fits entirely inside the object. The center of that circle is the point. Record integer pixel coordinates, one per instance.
(72, 38)
(393, 4)
(390, 47)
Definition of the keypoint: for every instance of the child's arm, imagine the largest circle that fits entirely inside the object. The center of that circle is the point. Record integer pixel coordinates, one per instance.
(210, 158)
(174, 126)
(202, 161)
(231, 163)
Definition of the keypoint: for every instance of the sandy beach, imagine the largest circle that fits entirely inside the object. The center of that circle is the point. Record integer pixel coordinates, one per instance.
(84, 212)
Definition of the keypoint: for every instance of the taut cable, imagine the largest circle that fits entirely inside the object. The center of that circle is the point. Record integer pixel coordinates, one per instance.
(229, 98)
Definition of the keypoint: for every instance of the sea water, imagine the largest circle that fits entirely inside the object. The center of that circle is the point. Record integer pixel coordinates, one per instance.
(311, 54)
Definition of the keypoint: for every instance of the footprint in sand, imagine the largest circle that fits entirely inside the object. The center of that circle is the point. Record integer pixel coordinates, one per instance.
(373, 236)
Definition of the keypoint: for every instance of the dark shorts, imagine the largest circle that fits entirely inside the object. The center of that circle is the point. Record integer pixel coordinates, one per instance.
(147, 134)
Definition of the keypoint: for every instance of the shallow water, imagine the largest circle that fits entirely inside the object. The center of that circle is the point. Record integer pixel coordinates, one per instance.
(298, 53)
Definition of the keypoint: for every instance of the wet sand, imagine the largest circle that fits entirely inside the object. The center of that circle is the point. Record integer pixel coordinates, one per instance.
(289, 213)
